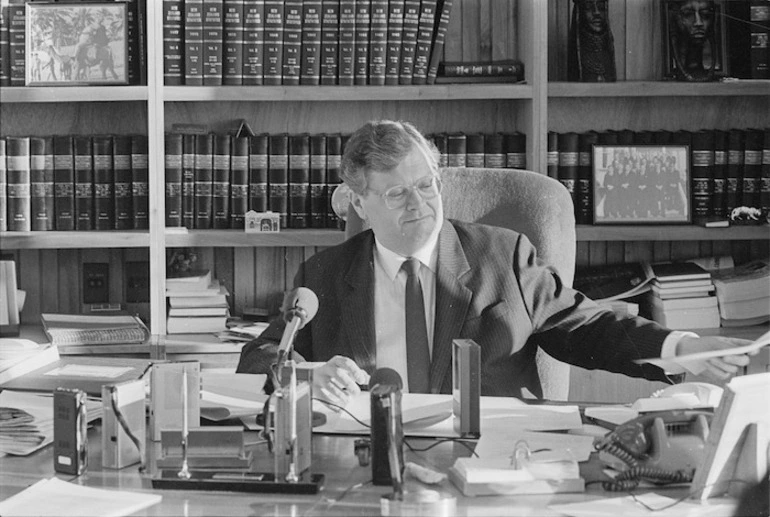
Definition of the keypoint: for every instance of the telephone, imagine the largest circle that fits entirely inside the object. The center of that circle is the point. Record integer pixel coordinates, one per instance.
(662, 447)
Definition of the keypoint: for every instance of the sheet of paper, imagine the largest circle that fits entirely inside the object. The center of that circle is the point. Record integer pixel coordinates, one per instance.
(761, 341)
(615, 415)
(88, 370)
(499, 442)
(628, 507)
(54, 497)
(226, 395)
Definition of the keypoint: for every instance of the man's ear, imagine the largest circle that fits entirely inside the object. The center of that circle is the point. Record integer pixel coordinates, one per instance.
(356, 201)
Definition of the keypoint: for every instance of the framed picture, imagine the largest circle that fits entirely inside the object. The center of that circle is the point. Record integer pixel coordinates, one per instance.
(76, 43)
(694, 42)
(641, 184)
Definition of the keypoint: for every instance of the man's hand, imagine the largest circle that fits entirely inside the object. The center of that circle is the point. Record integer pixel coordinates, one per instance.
(720, 368)
(337, 381)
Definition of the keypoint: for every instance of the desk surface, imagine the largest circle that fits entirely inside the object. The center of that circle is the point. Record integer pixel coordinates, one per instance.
(332, 456)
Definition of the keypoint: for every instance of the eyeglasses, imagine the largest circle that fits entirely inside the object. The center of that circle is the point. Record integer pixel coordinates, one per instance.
(427, 187)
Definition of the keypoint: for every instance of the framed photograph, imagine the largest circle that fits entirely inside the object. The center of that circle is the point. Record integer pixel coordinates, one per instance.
(641, 184)
(76, 43)
(694, 42)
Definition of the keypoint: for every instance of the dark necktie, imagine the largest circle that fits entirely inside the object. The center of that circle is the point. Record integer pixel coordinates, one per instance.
(417, 351)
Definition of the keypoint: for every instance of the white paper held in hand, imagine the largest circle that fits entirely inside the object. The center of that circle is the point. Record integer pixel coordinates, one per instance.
(761, 341)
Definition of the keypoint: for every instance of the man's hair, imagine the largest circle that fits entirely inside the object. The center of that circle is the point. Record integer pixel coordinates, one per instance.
(379, 146)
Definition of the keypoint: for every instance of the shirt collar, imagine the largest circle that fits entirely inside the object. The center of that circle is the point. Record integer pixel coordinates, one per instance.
(391, 262)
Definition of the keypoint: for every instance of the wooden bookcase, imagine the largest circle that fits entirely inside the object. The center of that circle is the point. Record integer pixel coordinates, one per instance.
(258, 268)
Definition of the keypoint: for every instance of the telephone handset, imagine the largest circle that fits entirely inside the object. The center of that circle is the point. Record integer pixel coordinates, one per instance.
(662, 447)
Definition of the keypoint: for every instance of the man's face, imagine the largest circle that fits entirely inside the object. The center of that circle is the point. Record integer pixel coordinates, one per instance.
(594, 13)
(696, 18)
(406, 229)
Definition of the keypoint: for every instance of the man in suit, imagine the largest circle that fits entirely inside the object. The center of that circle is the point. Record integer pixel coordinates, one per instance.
(476, 281)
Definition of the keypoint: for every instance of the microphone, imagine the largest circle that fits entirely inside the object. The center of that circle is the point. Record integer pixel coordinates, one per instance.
(387, 434)
(299, 307)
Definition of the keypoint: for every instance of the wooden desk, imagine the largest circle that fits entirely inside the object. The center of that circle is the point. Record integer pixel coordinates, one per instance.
(333, 456)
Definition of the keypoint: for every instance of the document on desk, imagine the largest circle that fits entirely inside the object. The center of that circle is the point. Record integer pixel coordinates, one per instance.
(226, 395)
(54, 497)
(499, 442)
(761, 341)
(632, 507)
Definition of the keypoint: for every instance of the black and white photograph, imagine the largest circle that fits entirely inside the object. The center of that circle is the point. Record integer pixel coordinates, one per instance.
(76, 44)
(641, 184)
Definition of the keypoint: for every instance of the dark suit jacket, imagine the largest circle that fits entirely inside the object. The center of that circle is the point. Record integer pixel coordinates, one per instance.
(490, 287)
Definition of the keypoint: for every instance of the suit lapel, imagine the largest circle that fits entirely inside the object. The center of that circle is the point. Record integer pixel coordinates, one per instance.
(452, 301)
(358, 306)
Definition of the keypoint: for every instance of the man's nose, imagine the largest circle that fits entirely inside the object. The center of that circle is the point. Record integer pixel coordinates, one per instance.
(413, 198)
(698, 19)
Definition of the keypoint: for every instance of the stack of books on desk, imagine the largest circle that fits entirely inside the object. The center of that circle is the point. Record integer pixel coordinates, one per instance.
(196, 303)
(743, 293)
(681, 296)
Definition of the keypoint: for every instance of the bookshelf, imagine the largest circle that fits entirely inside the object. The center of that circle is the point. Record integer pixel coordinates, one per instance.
(257, 268)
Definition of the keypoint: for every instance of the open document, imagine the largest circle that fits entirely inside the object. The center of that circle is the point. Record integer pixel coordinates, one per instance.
(761, 341)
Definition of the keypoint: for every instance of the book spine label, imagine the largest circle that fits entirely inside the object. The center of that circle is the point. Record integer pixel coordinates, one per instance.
(140, 182)
(188, 181)
(204, 177)
(273, 55)
(104, 181)
(254, 40)
(220, 194)
(239, 181)
(84, 183)
(258, 173)
(395, 28)
(759, 16)
(17, 41)
(702, 174)
(378, 41)
(424, 41)
(121, 161)
(347, 42)
(133, 57)
(173, 183)
(232, 42)
(409, 40)
(330, 29)
(361, 60)
(5, 48)
(193, 42)
(41, 183)
(173, 37)
(509, 69)
(278, 176)
(213, 29)
(292, 41)
(310, 71)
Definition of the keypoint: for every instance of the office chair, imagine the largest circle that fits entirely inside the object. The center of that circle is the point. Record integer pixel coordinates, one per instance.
(530, 203)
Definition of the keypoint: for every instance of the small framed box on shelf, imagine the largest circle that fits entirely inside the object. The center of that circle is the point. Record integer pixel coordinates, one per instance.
(641, 184)
(76, 43)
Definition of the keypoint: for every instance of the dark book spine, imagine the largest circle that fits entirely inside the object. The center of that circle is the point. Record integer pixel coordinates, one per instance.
(3, 187)
(41, 183)
(333, 176)
(443, 10)
(173, 41)
(439, 140)
(188, 181)
(395, 34)
(104, 183)
(213, 42)
(509, 68)
(552, 156)
(661, 137)
(278, 176)
(310, 57)
(220, 194)
(84, 183)
(140, 182)
(133, 57)
(720, 173)
(254, 41)
(5, 49)
(142, 38)
(586, 141)
(474, 150)
(121, 162)
(239, 181)
(17, 40)
(409, 40)
(330, 43)
(735, 152)
(759, 17)
(273, 55)
(515, 145)
(494, 155)
(64, 183)
(626, 137)
(258, 149)
(204, 177)
(736, 18)
(456, 149)
(347, 42)
(569, 158)
(292, 41)
(361, 60)
(193, 42)
(317, 181)
(173, 175)
(424, 41)
(378, 41)
(764, 187)
(702, 153)
(232, 42)
(752, 167)
(299, 180)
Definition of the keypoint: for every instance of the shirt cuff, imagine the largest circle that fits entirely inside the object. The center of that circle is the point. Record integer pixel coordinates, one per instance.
(668, 350)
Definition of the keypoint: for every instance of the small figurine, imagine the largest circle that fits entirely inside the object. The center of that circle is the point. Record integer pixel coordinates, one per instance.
(591, 45)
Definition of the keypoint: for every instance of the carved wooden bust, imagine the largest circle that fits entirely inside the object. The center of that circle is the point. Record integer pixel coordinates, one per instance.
(591, 45)
(691, 40)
